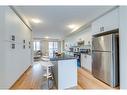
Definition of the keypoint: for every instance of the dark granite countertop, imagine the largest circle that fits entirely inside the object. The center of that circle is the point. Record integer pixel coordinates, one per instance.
(86, 53)
(64, 57)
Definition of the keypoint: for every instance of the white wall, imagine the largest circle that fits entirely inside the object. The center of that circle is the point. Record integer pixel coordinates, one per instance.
(2, 67)
(85, 35)
(123, 47)
(17, 60)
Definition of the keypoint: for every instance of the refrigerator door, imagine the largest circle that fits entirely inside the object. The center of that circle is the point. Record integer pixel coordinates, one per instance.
(102, 43)
(101, 66)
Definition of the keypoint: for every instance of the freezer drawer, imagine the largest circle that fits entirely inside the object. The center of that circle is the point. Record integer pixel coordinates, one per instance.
(102, 66)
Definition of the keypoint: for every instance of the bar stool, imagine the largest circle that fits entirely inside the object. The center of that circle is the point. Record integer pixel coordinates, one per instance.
(45, 56)
(48, 65)
(45, 59)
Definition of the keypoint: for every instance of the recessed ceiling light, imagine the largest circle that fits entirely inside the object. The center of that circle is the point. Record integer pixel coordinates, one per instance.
(46, 37)
(72, 26)
(36, 21)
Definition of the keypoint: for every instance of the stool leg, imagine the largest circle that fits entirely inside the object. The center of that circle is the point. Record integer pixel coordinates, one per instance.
(48, 75)
(47, 72)
(48, 84)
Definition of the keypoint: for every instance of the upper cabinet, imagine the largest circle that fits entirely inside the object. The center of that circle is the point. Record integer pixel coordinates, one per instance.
(106, 23)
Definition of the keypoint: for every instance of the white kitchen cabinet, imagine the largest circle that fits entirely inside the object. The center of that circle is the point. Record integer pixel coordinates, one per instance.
(109, 21)
(96, 26)
(86, 62)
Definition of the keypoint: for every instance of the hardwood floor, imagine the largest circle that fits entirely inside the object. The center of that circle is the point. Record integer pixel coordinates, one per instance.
(87, 81)
(33, 79)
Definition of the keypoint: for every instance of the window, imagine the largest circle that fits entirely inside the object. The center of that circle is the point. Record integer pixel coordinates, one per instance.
(37, 45)
(53, 47)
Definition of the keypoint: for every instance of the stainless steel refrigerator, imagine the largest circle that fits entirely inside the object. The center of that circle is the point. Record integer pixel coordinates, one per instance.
(105, 58)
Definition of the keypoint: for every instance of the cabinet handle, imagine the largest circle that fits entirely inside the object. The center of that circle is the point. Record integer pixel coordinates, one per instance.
(101, 29)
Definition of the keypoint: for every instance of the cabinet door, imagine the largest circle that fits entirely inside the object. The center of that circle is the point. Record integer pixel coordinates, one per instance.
(106, 23)
(83, 60)
(88, 64)
(96, 27)
(110, 20)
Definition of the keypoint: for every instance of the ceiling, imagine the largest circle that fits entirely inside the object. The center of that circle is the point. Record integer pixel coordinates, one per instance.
(56, 18)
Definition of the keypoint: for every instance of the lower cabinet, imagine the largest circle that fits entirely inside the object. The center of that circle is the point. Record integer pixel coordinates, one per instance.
(86, 62)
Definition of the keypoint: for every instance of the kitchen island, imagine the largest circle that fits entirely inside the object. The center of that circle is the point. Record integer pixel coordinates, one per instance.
(65, 71)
